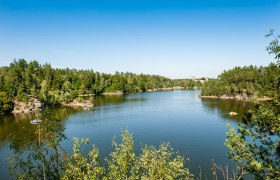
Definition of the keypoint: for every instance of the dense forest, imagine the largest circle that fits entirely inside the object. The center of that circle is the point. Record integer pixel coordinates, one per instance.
(53, 86)
(248, 81)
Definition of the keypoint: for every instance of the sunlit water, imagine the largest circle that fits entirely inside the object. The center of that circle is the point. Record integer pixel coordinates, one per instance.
(194, 127)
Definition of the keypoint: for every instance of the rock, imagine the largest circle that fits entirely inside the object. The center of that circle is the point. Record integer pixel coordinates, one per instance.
(84, 104)
(210, 97)
(233, 113)
(238, 97)
(113, 93)
(24, 108)
(86, 95)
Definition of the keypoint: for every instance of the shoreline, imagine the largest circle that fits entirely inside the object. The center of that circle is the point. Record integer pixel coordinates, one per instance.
(172, 89)
(238, 98)
(166, 89)
(112, 94)
(84, 104)
(24, 108)
(148, 90)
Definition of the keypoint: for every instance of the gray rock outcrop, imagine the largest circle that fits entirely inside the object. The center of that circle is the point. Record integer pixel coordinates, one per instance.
(32, 106)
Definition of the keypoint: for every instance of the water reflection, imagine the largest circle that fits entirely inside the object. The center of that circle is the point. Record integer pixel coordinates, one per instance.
(40, 156)
(176, 117)
(106, 100)
(17, 130)
(36, 150)
(223, 107)
(115, 99)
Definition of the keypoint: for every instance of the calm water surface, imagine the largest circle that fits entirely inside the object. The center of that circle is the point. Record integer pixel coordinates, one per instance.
(194, 127)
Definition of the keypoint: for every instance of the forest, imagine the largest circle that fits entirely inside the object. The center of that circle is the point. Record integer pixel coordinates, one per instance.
(54, 86)
(247, 81)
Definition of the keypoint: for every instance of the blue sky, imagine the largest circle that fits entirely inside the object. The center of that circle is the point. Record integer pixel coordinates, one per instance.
(173, 38)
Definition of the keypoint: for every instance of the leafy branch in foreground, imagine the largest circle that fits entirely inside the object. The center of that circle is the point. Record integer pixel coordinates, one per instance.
(121, 162)
(256, 144)
(159, 164)
(274, 47)
(152, 163)
(78, 166)
(41, 159)
(45, 159)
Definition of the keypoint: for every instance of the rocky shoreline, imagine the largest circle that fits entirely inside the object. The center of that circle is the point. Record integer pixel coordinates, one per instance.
(86, 95)
(239, 98)
(149, 90)
(33, 105)
(113, 93)
(166, 89)
(75, 103)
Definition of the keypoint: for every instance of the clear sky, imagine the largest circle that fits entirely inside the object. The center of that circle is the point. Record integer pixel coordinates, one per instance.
(173, 38)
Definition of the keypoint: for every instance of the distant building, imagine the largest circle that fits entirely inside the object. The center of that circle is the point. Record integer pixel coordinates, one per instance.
(201, 80)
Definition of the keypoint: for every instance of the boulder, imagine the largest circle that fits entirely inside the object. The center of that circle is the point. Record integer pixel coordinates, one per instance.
(24, 108)
(233, 113)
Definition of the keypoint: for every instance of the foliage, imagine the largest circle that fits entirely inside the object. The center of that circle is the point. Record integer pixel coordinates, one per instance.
(188, 83)
(5, 102)
(248, 81)
(152, 163)
(245, 81)
(54, 86)
(274, 47)
(42, 157)
(120, 164)
(256, 144)
(159, 164)
(79, 167)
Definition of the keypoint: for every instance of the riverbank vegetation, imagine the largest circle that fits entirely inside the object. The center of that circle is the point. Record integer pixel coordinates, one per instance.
(21, 79)
(189, 83)
(47, 160)
(255, 145)
(54, 86)
(248, 81)
(245, 82)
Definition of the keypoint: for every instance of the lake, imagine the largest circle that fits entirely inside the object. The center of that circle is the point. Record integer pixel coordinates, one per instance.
(195, 127)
